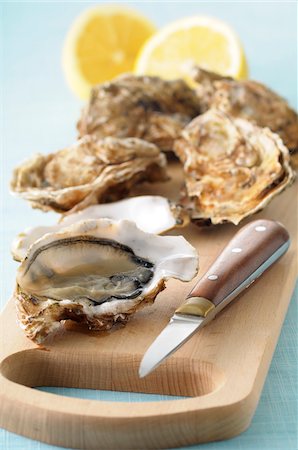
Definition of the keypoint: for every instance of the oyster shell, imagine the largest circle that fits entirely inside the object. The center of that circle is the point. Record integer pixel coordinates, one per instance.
(232, 167)
(249, 100)
(91, 170)
(140, 106)
(151, 213)
(96, 272)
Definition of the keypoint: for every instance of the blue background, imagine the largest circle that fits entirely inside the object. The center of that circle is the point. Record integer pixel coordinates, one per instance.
(38, 114)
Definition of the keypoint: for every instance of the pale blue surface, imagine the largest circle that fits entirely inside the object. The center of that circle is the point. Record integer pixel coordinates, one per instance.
(38, 115)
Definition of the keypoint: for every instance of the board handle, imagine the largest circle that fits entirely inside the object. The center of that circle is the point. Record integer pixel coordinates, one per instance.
(253, 249)
(91, 424)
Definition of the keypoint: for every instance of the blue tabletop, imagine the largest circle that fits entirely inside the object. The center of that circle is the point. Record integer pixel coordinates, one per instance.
(39, 113)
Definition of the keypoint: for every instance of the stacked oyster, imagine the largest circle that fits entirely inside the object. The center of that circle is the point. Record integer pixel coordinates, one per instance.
(96, 266)
(131, 120)
(90, 171)
(144, 107)
(234, 163)
(250, 100)
(232, 167)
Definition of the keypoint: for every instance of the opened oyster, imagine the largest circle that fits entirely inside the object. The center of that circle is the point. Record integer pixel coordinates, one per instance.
(96, 272)
(232, 167)
(249, 100)
(140, 106)
(90, 171)
(151, 213)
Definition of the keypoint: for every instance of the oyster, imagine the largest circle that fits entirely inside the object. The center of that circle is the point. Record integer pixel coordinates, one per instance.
(232, 167)
(249, 100)
(151, 213)
(140, 106)
(96, 272)
(90, 171)
(205, 85)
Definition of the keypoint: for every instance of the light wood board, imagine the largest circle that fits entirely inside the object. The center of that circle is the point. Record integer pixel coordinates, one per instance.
(221, 369)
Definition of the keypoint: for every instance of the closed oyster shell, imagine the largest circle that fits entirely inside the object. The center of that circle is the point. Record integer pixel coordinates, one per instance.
(250, 100)
(96, 272)
(151, 213)
(232, 167)
(90, 171)
(140, 106)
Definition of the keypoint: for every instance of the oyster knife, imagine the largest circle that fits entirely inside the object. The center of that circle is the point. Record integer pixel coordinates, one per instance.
(252, 250)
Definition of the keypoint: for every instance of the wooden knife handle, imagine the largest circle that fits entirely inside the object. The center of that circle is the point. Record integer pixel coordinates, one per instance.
(249, 250)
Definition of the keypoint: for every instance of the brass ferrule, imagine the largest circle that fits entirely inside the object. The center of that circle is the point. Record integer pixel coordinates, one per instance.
(196, 306)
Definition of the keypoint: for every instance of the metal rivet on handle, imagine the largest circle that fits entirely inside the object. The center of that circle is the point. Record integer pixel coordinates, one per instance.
(260, 228)
(212, 277)
(236, 250)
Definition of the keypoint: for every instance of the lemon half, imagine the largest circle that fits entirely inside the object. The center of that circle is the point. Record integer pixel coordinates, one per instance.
(102, 43)
(198, 40)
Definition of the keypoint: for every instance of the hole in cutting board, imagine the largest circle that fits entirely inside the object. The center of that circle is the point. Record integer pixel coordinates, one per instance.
(107, 396)
(178, 376)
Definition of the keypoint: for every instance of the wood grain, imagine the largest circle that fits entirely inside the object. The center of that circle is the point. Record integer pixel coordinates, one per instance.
(221, 369)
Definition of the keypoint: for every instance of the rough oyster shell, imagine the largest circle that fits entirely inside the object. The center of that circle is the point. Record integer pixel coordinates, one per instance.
(151, 213)
(90, 171)
(97, 272)
(232, 167)
(140, 106)
(249, 100)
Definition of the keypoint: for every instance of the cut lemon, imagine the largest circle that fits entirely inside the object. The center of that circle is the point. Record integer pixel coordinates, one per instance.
(102, 43)
(199, 40)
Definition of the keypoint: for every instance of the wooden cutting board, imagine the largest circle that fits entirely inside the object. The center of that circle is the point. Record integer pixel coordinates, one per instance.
(221, 369)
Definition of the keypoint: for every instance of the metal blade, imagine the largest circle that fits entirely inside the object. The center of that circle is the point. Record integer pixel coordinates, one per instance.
(169, 340)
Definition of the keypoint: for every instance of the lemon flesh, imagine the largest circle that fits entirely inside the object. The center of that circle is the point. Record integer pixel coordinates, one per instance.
(102, 43)
(199, 40)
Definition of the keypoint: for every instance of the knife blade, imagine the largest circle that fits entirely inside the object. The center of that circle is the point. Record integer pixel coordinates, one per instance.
(253, 249)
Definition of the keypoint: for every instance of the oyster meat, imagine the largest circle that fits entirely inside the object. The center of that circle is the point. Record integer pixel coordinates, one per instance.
(249, 100)
(232, 167)
(90, 171)
(96, 272)
(151, 213)
(140, 106)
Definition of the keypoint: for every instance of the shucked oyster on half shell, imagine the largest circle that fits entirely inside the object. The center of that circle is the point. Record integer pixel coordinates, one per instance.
(232, 167)
(90, 171)
(250, 100)
(141, 106)
(151, 213)
(96, 272)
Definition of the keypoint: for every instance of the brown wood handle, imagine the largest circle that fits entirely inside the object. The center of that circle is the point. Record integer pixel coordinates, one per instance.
(252, 246)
